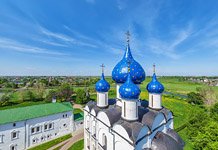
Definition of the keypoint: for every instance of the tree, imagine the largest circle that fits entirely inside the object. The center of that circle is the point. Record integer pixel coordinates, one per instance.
(81, 97)
(208, 95)
(4, 100)
(195, 98)
(39, 90)
(50, 95)
(65, 92)
(27, 96)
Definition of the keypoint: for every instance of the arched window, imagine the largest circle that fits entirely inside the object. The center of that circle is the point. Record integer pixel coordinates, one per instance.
(104, 142)
(93, 131)
(124, 109)
(87, 122)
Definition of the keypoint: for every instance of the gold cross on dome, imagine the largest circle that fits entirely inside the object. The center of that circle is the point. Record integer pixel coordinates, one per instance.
(128, 36)
(102, 67)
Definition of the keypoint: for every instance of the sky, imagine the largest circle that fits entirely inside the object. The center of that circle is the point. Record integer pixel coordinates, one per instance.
(74, 37)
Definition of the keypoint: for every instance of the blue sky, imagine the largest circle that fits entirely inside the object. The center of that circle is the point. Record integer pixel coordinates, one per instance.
(73, 37)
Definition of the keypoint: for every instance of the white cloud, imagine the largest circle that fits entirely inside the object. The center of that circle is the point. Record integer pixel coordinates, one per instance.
(11, 44)
(65, 38)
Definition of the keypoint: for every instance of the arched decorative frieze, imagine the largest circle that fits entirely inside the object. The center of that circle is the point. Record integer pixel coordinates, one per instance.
(104, 118)
(123, 133)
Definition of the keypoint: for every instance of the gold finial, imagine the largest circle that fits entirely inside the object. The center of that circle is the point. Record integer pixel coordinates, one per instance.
(128, 36)
(102, 67)
(154, 67)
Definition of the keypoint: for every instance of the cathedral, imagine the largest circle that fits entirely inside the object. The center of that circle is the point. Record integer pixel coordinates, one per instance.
(126, 122)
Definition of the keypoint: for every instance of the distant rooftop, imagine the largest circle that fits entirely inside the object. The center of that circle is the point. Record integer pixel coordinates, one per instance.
(35, 111)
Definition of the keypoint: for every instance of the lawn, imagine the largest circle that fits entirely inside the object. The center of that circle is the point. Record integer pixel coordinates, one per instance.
(51, 143)
(77, 110)
(78, 145)
(23, 104)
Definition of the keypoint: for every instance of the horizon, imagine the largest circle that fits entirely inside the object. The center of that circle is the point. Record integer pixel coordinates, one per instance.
(72, 38)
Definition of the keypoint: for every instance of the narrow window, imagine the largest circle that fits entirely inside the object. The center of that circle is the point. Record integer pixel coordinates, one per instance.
(32, 130)
(37, 129)
(45, 127)
(50, 125)
(13, 147)
(124, 109)
(1, 138)
(136, 113)
(152, 101)
(14, 135)
(14, 124)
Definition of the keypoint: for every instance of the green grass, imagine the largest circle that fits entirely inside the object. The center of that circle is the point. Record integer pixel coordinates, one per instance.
(23, 104)
(77, 110)
(78, 145)
(59, 147)
(51, 143)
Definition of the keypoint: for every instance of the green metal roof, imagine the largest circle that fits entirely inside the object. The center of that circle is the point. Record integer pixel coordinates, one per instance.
(34, 111)
(78, 116)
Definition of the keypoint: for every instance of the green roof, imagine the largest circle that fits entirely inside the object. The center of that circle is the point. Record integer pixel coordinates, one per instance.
(78, 116)
(34, 111)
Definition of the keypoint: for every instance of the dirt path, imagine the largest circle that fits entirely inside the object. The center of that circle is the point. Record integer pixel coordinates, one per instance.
(78, 106)
(78, 135)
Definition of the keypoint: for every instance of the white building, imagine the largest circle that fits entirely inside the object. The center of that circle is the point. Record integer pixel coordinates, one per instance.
(25, 127)
(127, 123)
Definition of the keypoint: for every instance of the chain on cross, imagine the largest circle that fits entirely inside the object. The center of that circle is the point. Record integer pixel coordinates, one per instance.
(102, 67)
(154, 67)
(128, 36)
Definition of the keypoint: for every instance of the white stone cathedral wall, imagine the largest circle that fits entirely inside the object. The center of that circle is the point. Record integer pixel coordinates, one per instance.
(156, 101)
(102, 99)
(130, 110)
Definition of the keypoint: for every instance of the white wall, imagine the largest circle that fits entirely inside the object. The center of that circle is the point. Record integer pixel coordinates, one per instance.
(6, 131)
(102, 99)
(25, 137)
(130, 109)
(58, 129)
(155, 101)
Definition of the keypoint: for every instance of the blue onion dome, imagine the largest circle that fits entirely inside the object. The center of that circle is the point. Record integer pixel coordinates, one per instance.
(129, 90)
(102, 85)
(155, 86)
(120, 71)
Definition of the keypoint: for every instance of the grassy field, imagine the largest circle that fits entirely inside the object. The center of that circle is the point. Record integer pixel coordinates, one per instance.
(78, 145)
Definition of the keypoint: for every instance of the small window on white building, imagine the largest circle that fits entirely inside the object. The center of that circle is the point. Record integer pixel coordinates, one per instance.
(14, 124)
(1, 138)
(50, 125)
(65, 125)
(45, 127)
(34, 140)
(37, 129)
(32, 130)
(65, 115)
(13, 147)
(14, 135)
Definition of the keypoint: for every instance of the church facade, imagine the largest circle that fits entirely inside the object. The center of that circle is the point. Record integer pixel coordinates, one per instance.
(126, 122)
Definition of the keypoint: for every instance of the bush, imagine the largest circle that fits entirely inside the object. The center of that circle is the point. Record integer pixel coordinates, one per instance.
(82, 97)
(195, 98)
